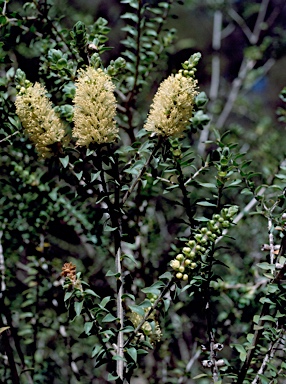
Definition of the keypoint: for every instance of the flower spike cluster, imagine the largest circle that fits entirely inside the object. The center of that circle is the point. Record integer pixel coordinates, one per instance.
(69, 271)
(185, 262)
(172, 105)
(94, 108)
(38, 118)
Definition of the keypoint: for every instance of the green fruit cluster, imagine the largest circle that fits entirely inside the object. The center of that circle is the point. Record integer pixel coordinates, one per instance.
(189, 66)
(186, 261)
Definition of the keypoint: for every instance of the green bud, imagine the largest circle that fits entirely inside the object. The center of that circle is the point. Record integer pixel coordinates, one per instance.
(180, 257)
(187, 250)
(185, 277)
(198, 237)
(192, 255)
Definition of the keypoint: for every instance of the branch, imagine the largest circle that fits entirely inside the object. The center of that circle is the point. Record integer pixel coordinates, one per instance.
(259, 330)
(143, 169)
(215, 75)
(267, 358)
(8, 137)
(147, 314)
(197, 173)
(2, 268)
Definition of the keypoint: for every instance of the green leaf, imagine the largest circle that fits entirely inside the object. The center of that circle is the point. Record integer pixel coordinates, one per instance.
(132, 297)
(166, 275)
(268, 318)
(266, 266)
(111, 273)
(87, 327)
(272, 288)
(145, 304)
(107, 228)
(263, 379)
(104, 301)
(130, 16)
(108, 318)
(142, 352)
(130, 257)
(249, 337)
(94, 176)
(65, 161)
(242, 352)
(207, 185)
(118, 357)
(67, 295)
(90, 292)
(200, 376)
(154, 289)
(132, 352)
(78, 307)
(112, 377)
(206, 204)
(98, 349)
(79, 174)
(234, 183)
(127, 329)
(137, 309)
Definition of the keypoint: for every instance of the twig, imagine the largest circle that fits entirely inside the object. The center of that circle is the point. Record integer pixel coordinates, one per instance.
(241, 22)
(271, 241)
(261, 16)
(8, 137)
(258, 332)
(2, 267)
(120, 315)
(197, 173)
(7, 347)
(143, 169)
(215, 75)
(269, 355)
(246, 66)
(147, 314)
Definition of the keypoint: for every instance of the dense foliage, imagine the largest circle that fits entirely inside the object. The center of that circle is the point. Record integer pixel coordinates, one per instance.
(142, 220)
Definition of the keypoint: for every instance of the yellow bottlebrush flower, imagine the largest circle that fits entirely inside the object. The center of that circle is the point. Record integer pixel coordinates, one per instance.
(172, 106)
(95, 108)
(39, 119)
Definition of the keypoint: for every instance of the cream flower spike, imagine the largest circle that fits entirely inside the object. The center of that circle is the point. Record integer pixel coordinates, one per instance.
(172, 106)
(38, 118)
(94, 108)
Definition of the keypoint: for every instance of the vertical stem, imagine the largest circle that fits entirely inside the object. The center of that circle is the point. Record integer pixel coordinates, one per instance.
(116, 220)
(215, 76)
(271, 242)
(2, 268)
(120, 315)
(114, 212)
(7, 347)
